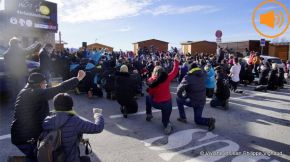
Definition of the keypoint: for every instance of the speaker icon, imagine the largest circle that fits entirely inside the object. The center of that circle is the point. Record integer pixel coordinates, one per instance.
(271, 19)
(277, 21)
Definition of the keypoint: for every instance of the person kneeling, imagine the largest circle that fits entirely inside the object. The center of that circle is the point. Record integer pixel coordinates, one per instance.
(222, 93)
(159, 95)
(126, 90)
(194, 87)
(72, 126)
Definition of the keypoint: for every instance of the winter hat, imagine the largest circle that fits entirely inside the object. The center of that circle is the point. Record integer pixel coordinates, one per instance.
(63, 102)
(35, 78)
(124, 69)
(194, 65)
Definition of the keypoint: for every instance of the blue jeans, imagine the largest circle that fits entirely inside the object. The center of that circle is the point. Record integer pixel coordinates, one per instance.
(165, 107)
(197, 108)
(29, 151)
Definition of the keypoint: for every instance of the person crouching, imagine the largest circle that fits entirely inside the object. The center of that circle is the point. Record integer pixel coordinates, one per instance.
(72, 126)
(159, 94)
(222, 91)
(126, 90)
(195, 96)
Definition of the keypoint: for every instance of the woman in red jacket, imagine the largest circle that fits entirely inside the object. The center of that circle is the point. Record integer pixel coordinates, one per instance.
(159, 93)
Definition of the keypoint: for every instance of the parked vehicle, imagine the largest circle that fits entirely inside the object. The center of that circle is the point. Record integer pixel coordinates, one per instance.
(271, 59)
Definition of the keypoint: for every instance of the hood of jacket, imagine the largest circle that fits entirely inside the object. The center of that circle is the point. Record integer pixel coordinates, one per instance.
(162, 78)
(196, 71)
(56, 120)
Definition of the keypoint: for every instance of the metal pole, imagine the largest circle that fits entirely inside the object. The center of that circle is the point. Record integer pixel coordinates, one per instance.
(59, 37)
(262, 50)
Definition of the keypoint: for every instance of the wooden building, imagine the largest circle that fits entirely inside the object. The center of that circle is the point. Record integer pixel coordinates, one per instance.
(241, 46)
(99, 46)
(205, 47)
(59, 46)
(281, 50)
(154, 44)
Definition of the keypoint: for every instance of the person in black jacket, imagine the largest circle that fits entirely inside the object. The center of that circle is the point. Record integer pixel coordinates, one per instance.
(45, 62)
(222, 91)
(32, 107)
(265, 69)
(281, 77)
(273, 78)
(109, 78)
(195, 96)
(126, 90)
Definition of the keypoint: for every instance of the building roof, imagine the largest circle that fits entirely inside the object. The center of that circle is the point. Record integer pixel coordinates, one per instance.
(151, 40)
(62, 42)
(239, 41)
(192, 42)
(98, 44)
(280, 43)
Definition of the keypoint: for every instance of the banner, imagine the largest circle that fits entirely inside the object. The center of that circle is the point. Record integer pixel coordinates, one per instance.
(31, 14)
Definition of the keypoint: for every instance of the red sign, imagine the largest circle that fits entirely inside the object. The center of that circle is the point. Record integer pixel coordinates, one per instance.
(218, 33)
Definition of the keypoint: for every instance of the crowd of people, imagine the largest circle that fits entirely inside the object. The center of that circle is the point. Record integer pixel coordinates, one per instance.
(124, 76)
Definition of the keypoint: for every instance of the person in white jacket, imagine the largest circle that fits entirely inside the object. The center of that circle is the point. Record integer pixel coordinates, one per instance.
(235, 75)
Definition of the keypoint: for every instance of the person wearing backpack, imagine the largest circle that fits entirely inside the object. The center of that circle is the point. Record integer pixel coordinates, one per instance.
(31, 108)
(72, 127)
(222, 91)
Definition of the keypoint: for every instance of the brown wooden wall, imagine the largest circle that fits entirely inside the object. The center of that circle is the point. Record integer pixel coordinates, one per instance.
(281, 51)
(158, 45)
(204, 47)
(99, 46)
(252, 45)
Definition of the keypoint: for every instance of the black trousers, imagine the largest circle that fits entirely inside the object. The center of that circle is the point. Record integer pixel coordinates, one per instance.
(85, 159)
(234, 85)
(130, 105)
(215, 102)
(209, 92)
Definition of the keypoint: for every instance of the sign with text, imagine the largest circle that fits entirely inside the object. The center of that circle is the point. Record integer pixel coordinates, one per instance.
(263, 42)
(31, 14)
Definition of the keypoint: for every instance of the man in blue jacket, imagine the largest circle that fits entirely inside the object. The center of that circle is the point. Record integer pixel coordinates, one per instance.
(72, 126)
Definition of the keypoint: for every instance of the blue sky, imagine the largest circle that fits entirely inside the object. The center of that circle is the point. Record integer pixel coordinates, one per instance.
(119, 23)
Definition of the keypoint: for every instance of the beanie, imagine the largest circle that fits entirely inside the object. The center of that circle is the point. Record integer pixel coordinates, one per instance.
(63, 102)
(194, 65)
(124, 69)
(35, 78)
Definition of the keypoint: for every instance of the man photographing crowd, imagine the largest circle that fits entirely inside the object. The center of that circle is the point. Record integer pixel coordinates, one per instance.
(31, 108)
(15, 64)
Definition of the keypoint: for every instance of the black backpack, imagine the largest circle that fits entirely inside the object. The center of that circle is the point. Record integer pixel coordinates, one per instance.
(49, 146)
